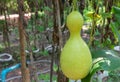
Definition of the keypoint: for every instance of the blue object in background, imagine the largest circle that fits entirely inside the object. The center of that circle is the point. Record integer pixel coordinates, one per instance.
(4, 72)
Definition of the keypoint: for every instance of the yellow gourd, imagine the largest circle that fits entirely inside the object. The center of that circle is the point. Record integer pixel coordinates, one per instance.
(75, 59)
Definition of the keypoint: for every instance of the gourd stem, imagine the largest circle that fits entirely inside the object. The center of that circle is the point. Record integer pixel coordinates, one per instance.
(92, 32)
(74, 5)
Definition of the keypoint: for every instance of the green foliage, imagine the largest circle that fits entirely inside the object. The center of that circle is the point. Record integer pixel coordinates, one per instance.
(50, 23)
(1, 24)
(44, 53)
(115, 25)
(55, 67)
(40, 28)
(108, 43)
(116, 10)
(1, 47)
(103, 60)
(106, 15)
(109, 59)
(114, 76)
(46, 77)
(46, 8)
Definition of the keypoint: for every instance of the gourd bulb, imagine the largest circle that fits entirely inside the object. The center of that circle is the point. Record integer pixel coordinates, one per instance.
(74, 21)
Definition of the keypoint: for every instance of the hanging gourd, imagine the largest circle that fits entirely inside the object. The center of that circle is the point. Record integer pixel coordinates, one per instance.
(75, 59)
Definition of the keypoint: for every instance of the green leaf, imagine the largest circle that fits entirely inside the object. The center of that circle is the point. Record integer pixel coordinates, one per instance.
(110, 60)
(55, 67)
(117, 16)
(106, 15)
(87, 78)
(40, 28)
(29, 26)
(114, 26)
(116, 10)
(47, 8)
(45, 53)
(103, 60)
(41, 13)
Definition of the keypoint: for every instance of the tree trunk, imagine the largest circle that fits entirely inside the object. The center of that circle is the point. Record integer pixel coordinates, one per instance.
(24, 69)
(57, 36)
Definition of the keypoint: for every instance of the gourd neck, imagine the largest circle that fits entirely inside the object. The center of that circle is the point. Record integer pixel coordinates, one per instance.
(75, 34)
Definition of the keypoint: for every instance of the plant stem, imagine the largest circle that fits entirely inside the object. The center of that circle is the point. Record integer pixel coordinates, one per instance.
(74, 5)
(92, 32)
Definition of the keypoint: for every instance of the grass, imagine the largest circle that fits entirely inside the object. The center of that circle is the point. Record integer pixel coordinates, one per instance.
(46, 77)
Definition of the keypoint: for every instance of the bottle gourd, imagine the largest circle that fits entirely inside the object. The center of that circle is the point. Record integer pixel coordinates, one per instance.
(75, 59)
